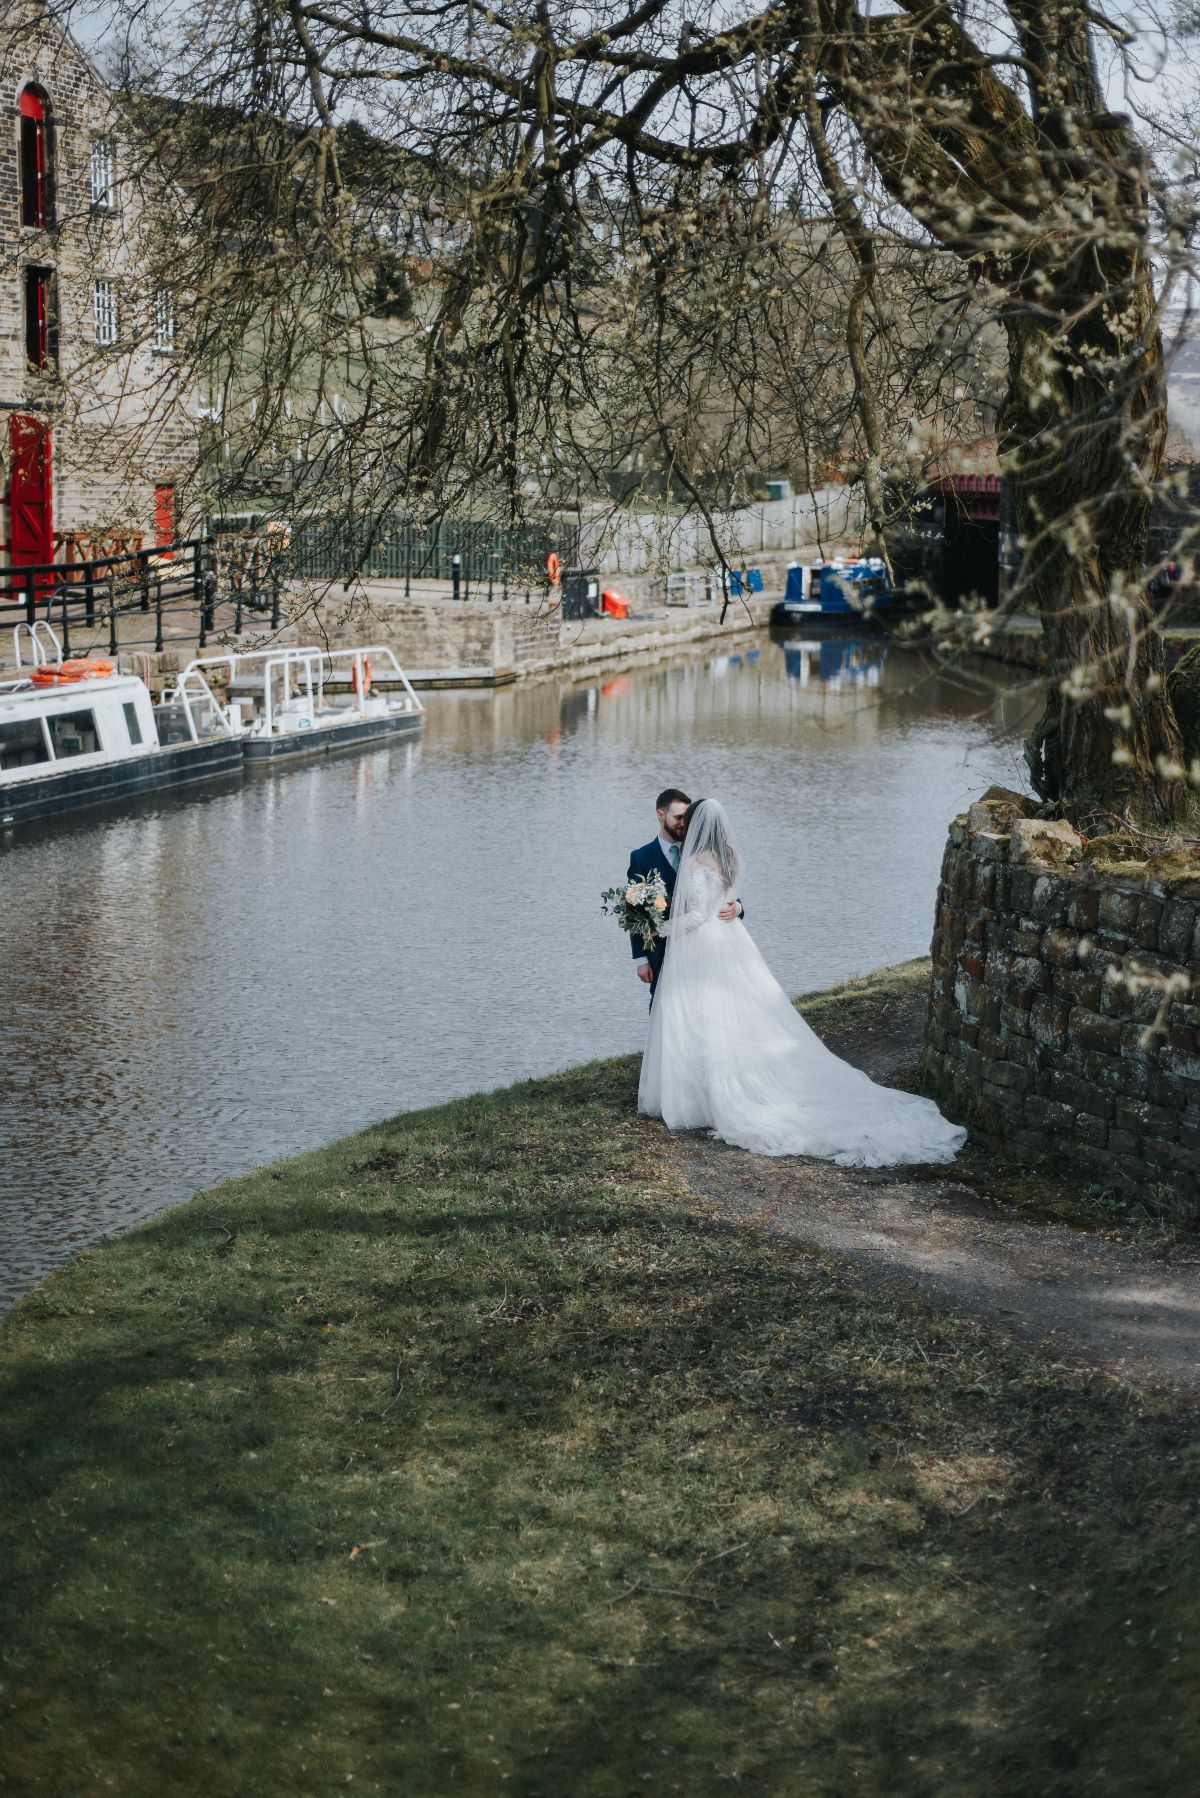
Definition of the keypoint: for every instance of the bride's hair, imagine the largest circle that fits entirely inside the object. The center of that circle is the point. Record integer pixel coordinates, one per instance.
(708, 834)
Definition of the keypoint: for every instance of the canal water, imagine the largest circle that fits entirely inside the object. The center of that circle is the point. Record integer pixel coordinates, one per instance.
(196, 986)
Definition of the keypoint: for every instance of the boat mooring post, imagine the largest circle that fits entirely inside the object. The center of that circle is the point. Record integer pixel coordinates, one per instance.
(208, 604)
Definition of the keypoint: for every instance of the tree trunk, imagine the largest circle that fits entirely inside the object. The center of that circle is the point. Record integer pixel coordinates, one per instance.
(1082, 437)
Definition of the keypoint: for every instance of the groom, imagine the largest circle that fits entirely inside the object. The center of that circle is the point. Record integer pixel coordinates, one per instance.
(661, 856)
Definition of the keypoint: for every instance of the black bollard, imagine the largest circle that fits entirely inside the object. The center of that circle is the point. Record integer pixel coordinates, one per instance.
(456, 576)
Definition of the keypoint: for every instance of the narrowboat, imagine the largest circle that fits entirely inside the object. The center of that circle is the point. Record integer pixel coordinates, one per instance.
(78, 732)
(292, 702)
(848, 590)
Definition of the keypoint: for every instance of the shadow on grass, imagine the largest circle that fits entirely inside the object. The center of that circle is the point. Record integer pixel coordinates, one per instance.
(471, 1455)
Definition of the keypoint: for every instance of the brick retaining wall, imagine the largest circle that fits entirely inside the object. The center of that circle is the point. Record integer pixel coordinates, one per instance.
(1051, 1022)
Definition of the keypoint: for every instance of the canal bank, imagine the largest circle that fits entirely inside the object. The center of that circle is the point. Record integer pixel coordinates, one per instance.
(477, 1450)
(445, 643)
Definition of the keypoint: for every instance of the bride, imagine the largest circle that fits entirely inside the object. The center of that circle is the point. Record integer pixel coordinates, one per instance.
(728, 1052)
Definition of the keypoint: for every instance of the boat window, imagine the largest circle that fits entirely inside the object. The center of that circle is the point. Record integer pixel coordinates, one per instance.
(73, 733)
(131, 722)
(22, 744)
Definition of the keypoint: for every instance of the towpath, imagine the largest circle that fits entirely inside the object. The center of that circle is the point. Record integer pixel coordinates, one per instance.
(1111, 1303)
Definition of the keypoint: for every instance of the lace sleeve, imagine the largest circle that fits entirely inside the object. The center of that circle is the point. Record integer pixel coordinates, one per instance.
(697, 899)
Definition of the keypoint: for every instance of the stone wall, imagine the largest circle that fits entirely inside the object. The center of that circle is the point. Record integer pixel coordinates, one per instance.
(439, 635)
(123, 423)
(1062, 1012)
(442, 635)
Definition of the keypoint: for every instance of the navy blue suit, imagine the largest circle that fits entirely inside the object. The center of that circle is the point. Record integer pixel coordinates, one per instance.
(647, 860)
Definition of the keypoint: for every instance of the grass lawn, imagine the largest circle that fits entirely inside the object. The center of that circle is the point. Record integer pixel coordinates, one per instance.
(471, 1455)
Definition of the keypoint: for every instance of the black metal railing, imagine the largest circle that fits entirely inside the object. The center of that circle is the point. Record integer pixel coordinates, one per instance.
(179, 585)
(176, 589)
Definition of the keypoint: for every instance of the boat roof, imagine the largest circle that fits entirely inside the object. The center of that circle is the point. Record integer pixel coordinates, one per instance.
(19, 690)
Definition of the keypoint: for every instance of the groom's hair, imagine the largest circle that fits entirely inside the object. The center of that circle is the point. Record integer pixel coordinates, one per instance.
(670, 796)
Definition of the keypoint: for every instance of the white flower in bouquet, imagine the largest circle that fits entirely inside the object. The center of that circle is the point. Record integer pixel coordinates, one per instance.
(639, 907)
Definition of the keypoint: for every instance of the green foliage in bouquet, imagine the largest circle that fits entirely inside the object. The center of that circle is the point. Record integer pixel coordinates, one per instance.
(639, 906)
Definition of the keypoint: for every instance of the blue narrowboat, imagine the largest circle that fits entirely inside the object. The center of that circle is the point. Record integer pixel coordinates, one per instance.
(847, 590)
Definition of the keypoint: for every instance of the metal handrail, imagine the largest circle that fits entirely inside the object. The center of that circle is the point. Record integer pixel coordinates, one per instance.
(37, 654)
(180, 692)
(306, 660)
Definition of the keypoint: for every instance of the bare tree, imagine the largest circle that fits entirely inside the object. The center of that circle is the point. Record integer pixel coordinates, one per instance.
(607, 216)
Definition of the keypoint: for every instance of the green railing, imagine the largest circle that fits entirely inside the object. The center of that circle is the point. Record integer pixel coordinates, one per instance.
(469, 552)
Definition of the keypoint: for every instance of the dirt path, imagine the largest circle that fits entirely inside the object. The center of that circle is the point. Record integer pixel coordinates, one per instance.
(1085, 1296)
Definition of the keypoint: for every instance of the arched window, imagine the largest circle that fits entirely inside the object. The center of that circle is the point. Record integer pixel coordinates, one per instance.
(37, 175)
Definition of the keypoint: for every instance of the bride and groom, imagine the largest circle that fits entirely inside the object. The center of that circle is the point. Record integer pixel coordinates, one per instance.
(727, 1050)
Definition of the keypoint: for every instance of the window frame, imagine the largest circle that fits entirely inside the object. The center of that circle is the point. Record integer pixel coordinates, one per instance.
(52, 719)
(46, 760)
(103, 150)
(35, 159)
(163, 321)
(40, 301)
(111, 319)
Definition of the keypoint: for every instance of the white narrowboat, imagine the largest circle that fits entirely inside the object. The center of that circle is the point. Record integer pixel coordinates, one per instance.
(78, 732)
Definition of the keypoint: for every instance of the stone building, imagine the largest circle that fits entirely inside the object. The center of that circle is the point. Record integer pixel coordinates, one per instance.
(97, 441)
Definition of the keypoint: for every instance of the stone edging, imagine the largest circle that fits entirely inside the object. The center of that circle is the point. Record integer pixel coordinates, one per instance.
(1062, 1012)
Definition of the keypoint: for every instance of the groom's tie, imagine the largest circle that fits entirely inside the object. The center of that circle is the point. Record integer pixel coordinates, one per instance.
(673, 852)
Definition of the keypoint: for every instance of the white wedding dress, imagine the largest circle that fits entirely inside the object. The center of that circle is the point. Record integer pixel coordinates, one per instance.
(728, 1052)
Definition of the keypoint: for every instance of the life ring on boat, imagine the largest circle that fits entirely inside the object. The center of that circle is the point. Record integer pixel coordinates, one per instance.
(366, 676)
(53, 674)
(553, 569)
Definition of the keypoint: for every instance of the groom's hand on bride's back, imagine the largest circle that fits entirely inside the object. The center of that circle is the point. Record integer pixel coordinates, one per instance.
(645, 972)
(731, 911)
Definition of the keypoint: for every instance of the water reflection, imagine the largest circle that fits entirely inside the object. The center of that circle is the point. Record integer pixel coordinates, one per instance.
(837, 662)
(194, 986)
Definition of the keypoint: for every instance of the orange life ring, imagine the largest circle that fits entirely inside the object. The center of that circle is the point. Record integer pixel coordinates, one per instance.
(553, 569)
(366, 676)
(52, 674)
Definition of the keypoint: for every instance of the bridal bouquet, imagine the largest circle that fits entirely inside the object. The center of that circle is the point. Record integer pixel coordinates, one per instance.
(639, 907)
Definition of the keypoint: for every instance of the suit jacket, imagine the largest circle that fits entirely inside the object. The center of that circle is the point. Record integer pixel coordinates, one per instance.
(647, 860)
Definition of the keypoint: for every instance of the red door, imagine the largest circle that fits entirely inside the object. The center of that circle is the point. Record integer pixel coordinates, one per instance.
(30, 492)
(164, 518)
